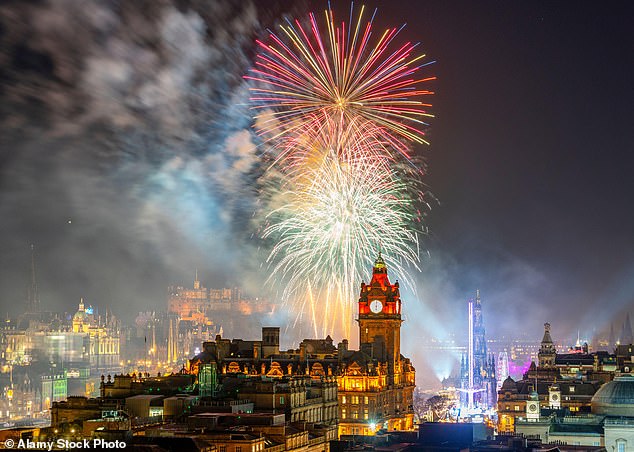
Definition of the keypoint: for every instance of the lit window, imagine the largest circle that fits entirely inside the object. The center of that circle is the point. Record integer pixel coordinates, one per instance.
(343, 413)
(365, 400)
(343, 399)
(572, 389)
(281, 400)
(517, 407)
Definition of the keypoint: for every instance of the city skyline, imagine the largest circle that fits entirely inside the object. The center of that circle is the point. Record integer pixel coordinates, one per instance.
(122, 199)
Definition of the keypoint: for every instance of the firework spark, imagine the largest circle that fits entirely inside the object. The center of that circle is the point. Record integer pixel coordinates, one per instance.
(309, 80)
(327, 232)
(339, 111)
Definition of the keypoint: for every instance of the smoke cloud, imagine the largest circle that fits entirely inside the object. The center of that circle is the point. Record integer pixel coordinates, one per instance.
(127, 157)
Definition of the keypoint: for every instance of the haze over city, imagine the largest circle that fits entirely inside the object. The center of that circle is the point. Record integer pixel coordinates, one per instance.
(128, 158)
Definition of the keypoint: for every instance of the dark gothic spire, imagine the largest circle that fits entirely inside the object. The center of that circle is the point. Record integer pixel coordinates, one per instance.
(33, 299)
(626, 331)
(546, 340)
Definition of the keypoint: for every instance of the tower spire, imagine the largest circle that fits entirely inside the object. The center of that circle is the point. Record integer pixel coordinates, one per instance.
(33, 301)
(626, 332)
(196, 281)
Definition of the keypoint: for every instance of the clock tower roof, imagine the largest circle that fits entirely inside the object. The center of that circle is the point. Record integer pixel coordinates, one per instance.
(379, 272)
(380, 289)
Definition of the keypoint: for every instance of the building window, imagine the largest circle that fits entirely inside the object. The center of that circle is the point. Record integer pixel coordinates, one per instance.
(222, 449)
(366, 414)
(238, 448)
(572, 389)
(621, 445)
(365, 400)
(281, 401)
(343, 413)
(517, 407)
(355, 400)
(343, 399)
(355, 414)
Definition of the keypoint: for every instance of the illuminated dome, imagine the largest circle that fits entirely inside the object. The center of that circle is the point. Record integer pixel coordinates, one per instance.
(82, 318)
(81, 314)
(615, 398)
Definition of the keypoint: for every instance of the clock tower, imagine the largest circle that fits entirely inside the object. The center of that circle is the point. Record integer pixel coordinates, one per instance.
(380, 317)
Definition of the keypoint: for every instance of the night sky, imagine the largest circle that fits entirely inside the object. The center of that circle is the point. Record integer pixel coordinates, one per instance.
(531, 157)
(125, 156)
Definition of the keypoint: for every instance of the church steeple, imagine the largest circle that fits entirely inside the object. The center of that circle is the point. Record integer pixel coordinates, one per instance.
(33, 299)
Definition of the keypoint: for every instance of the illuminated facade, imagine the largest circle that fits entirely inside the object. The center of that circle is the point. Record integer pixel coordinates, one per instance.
(199, 305)
(103, 341)
(561, 382)
(375, 384)
(189, 304)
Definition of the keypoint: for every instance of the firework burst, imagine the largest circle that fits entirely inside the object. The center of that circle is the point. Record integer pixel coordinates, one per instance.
(308, 79)
(339, 111)
(328, 230)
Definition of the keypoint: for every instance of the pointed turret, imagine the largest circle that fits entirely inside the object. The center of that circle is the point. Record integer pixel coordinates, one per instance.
(547, 352)
(547, 339)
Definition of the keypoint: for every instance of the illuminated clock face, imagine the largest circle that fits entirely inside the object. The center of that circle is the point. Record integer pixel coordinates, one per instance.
(376, 306)
(554, 397)
(532, 408)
